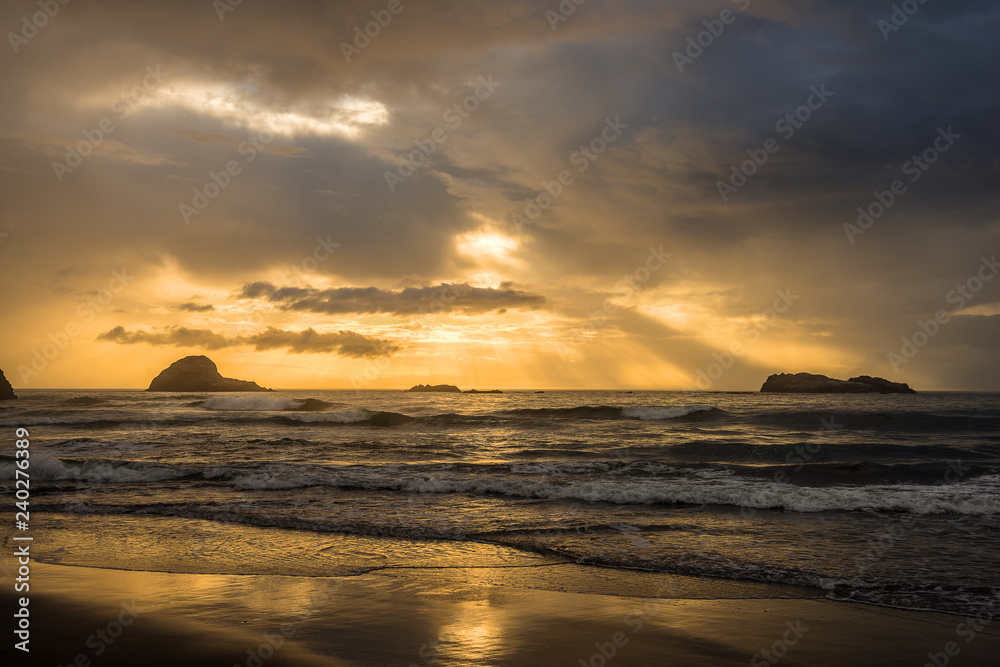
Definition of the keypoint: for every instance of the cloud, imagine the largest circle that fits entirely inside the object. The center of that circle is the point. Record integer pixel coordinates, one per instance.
(309, 341)
(273, 148)
(344, 343)
(176, 336)
(192, 307)
(444, 298)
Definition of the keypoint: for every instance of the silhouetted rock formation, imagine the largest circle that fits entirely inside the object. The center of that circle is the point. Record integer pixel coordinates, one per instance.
(488, 391)
(6, 391)
(198, 374)
(807, 383)
(450, 388)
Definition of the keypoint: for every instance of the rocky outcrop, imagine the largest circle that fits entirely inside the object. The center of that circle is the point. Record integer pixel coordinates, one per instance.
(477, 391)
(6, 391)
(198, 374)
(808, 383)
(447, 388)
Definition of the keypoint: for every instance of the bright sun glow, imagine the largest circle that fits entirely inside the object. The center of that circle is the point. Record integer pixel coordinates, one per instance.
(249, 107)
(486, 244)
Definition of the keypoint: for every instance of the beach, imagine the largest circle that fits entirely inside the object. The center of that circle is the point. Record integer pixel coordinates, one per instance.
(459, 616)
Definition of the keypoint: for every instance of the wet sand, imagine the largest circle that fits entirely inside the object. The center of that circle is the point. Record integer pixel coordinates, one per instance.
(556, 615)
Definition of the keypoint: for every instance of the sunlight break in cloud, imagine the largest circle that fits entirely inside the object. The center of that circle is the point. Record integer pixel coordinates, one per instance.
(246, 105)
(486, 244)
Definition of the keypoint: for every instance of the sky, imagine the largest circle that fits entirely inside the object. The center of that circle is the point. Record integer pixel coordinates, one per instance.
(619, 194)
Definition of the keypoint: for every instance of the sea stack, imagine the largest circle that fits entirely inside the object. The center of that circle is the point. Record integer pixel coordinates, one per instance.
(6, 391)
(446, 388)
(808, 383)
(198, 374)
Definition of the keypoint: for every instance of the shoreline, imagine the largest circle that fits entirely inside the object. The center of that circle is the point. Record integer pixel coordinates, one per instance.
(457, 616)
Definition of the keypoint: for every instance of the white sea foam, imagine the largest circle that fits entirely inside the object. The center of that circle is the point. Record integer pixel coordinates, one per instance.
(975, 497)
(650, 413)
(345, 417)
(44, 468)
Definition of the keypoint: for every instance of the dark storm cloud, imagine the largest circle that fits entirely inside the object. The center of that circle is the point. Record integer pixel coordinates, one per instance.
(444, 298)
(343, 343)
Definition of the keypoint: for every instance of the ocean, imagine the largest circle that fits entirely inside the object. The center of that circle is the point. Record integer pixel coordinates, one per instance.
(890, 500)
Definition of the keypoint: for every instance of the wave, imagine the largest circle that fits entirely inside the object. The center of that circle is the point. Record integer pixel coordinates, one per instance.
(296, 414)
(882, 420)
(345, 417)
(263, 403)
(643, 412)
(56, 421)
(295, 411)
(594, 482)
(44, 468)
(84, 401)
(962, 498)
(648, 413)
